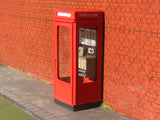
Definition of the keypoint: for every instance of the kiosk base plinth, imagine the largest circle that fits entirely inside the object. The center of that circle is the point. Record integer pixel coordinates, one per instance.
(78, 107)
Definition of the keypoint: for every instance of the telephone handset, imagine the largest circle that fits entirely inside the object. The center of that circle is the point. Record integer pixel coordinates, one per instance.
(80, 51)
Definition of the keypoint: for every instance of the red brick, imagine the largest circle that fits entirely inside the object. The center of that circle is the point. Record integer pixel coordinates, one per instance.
(156, 106)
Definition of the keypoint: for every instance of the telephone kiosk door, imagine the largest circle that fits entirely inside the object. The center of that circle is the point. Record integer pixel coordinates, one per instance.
(89, 67)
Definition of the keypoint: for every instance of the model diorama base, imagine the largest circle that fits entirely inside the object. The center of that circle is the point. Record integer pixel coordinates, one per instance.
(78, 107)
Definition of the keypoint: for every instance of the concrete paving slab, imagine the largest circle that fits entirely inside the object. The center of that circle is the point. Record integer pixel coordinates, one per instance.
(35, 97)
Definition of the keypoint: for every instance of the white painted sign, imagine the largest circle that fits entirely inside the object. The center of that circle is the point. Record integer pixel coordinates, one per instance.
(63, 14)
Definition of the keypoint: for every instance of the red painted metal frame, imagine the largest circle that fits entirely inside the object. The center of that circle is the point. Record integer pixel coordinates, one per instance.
(76, 15)
(62, 89)
(75, 93)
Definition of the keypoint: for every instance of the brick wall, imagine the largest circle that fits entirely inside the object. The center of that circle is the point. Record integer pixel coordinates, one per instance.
(131, 52)
(26, 36)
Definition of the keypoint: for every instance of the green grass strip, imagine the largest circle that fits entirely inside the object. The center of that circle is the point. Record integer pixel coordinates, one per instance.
(29, 74)
(11, 112)
(106, 107)
(1, 65)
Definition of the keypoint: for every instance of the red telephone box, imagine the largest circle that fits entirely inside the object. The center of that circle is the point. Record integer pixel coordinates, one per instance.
(78, 58)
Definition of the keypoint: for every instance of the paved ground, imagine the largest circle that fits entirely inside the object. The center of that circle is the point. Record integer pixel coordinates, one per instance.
(35, 97)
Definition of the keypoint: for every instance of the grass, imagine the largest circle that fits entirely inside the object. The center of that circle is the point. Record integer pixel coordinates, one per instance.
(106, 107)
(30, 75)
(11, 112)
(45, 81)
(19, 70)
(1, 65)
